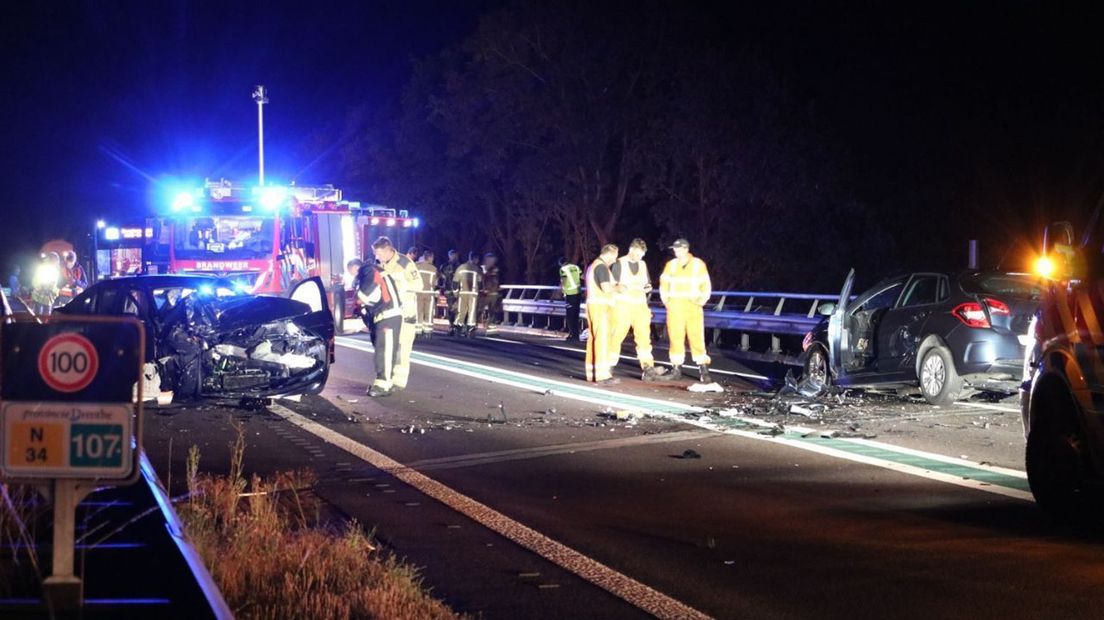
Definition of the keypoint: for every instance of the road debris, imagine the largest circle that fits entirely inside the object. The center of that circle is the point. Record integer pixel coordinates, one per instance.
(688, 454)
(700, 388)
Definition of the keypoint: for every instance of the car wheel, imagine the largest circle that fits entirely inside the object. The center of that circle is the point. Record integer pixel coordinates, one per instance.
(816, 366)
(1056, 462)
(939, 381)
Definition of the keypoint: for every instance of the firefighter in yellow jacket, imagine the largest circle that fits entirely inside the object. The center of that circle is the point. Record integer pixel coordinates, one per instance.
(600, 299)
(427, 297)
(404, 273)
(684, 288)
(633, 285)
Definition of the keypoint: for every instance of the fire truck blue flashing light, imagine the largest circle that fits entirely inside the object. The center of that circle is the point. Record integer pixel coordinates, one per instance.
(111, 234)
(271, 198)
(206, 289)
(416, 222)
(183, 201)
(100, 224)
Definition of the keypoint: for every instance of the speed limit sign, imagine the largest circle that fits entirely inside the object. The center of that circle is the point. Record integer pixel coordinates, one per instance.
(68, 362)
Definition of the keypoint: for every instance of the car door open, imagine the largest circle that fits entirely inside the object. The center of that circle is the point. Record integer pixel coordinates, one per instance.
(320, 320)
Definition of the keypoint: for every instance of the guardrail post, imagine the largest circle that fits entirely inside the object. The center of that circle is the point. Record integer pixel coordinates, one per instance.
(776, 342)
(716, 330)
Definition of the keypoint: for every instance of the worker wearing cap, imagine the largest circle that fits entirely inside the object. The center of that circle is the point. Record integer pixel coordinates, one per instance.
(490, 297)
(427, 297)
(466, 280)
(684, 287)
(571, 284)
(447, 288)
(632, 287)
(599, 302)
(408, 282)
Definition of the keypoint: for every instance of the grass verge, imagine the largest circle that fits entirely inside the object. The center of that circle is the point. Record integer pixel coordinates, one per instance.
(265, 545)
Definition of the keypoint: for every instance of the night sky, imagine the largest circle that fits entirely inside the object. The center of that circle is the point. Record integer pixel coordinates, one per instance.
(952, 119)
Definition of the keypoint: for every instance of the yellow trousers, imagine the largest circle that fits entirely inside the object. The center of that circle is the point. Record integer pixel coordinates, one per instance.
(465, 313)
(600, 323)
(401, 372)
(638, 318)
(686, 321)
(427, 304)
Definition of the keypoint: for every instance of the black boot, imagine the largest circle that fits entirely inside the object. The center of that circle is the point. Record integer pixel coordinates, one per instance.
(704, 370)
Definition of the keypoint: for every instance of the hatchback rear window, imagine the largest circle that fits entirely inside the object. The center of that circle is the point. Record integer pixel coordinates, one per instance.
(1007, 284)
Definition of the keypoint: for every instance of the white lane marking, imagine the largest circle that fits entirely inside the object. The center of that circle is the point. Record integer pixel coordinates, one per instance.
(1004, 408)
(629, 357)
(634, 358)
(517, 454)
(939, 457)
(642, 596)
(598, 396)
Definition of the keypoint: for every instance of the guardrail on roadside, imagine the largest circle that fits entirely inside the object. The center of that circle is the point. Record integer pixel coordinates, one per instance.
(742, 312)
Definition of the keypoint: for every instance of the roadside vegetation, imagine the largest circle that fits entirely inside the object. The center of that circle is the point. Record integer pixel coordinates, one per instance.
(271, 554)
(20, 512)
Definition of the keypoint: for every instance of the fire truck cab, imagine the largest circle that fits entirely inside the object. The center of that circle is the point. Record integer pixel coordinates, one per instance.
(268, 238)
(1062, 396)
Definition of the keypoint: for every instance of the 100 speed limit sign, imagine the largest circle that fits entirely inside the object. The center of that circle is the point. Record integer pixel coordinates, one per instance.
(68, 362)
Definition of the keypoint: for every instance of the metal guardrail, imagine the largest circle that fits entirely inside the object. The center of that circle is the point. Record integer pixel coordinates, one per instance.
(743, 312)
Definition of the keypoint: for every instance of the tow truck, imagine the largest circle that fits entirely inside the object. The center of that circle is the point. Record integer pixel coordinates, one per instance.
(1062, 395)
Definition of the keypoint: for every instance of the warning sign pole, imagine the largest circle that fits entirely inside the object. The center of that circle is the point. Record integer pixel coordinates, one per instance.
(63, 589)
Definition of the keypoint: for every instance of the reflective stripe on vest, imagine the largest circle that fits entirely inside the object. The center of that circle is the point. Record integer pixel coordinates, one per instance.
(569, 279)
(595, 296)
(686, 282)
(635, 284)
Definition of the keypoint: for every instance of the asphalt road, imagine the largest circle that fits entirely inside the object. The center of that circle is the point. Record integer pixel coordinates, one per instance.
(772, 521)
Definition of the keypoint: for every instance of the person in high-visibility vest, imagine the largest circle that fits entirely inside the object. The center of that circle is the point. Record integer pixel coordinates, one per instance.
(467, 282)
(599, 303)
(404, 274)
(684, 288)
(571, 283)
(631, 311)
(427, 297)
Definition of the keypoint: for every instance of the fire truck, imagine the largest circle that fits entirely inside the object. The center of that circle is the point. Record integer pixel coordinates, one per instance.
(268, 238)
(1063, 390)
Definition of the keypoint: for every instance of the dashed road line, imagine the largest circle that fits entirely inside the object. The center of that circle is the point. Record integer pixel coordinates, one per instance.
(628, 589)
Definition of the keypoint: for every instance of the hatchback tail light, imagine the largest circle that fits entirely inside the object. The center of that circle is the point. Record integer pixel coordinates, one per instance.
(972, 315)
(997, 306)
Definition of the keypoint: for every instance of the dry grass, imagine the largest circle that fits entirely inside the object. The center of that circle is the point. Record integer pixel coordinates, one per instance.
(20, 511)
(268, 553)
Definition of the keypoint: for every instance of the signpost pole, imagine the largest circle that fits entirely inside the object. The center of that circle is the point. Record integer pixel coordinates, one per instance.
(63, 588)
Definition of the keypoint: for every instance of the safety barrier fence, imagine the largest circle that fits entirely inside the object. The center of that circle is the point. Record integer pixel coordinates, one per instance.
(733, 317)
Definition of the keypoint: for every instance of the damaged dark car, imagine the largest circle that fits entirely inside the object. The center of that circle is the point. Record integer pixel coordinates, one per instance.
(949, 335)
(207, 339)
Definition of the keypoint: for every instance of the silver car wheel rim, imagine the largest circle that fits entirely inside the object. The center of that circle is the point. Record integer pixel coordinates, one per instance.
(934, 375)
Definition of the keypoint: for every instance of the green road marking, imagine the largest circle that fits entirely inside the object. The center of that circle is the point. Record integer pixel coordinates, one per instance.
(677, 410)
